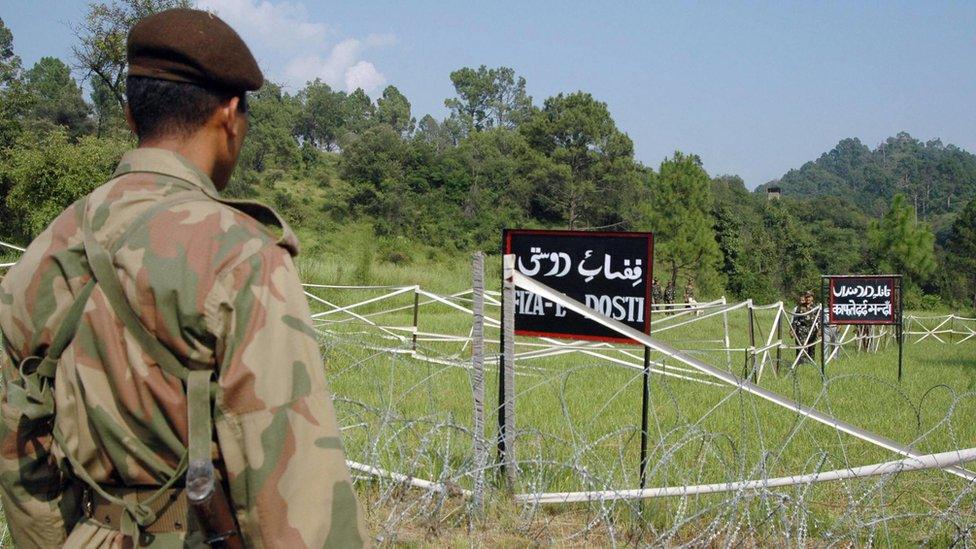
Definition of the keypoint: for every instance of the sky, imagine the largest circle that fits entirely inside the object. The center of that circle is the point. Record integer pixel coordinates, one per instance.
(753, 88)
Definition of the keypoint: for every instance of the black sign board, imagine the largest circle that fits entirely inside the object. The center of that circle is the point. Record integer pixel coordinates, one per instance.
(608, 272)
(862, 300)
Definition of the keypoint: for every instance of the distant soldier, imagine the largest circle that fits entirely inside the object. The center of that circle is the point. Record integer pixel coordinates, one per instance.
(190, 401)
(669, 295)
(656, 294)
(803, 326)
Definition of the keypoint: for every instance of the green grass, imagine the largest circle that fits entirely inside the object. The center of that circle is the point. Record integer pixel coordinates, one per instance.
(578, 421)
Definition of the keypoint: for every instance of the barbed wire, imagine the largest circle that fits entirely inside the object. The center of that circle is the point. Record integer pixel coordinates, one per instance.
(402, 380)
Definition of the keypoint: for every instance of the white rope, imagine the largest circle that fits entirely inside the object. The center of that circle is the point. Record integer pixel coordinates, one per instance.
(339, 287)
(929, 461)
(348, 308)
(12, 247)
(436, 487)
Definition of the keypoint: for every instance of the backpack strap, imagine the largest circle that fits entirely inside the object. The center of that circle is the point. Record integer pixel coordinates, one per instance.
(139, 513)
(108, 279)
(34, 395)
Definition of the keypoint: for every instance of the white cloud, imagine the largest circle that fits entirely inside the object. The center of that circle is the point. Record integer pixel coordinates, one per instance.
(364, 75)
(293, 50)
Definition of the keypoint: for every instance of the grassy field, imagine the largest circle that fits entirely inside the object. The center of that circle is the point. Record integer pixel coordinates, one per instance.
(578, 421)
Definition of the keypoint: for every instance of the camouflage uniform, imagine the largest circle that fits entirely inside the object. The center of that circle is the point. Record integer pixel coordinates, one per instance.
(802, 327)
(213, 281)
(656, 295)
(669, 295)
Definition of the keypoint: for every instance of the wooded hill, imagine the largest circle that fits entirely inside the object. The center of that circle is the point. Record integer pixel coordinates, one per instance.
(336, 163)
(937, 178)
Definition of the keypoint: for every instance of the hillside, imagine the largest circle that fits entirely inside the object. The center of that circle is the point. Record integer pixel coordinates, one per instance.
(937, 178)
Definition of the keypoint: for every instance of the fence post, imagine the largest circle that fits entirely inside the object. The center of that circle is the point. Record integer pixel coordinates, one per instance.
(478, 382)
(416, 316)
(725, 324)
(751, 351)
(779, 337)
(506, 376)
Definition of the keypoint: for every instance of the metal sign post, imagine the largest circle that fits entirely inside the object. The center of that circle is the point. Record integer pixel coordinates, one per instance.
(608, 271)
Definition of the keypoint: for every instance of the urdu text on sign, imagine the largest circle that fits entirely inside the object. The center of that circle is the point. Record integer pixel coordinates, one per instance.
(608, 272)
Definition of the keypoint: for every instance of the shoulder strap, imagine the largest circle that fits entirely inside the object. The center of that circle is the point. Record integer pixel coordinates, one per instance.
(104, 270)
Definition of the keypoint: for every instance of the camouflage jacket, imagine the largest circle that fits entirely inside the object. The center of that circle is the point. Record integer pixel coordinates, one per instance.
(215, 283)
(803, 321)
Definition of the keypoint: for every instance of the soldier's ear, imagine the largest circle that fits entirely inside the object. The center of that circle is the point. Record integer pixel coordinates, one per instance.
(229, 115)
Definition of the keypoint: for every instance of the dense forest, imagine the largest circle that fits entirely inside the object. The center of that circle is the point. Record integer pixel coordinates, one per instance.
(327, 159)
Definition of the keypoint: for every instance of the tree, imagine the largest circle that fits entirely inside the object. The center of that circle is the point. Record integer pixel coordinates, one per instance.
(488, 98)
(596, 171)
(358, 113)
(785, 250)
(433, 133)
(49, 172)
(376, 164)
(100, 51)
(491, 175)
(901, 245)
(961, 248)
(269, 144)
(393, 109)
(678, 213)
(57, 97)
(109, 116)
(322, 114)
(15, 99)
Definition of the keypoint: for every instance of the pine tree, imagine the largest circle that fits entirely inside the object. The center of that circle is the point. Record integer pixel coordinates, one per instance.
(901, 245)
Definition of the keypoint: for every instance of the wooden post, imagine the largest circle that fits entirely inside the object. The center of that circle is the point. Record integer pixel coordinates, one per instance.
(478, 381)
(779, 337)
(416, 317)
(751, 351)
(725, 326)
(506, 377)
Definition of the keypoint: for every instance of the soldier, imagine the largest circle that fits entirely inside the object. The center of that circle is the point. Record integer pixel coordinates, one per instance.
(669, 295)
(655, 291)
(803, 325)
(188, 373)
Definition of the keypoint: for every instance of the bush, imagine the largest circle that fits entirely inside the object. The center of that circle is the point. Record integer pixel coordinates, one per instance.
(47, 173)
(396, 251)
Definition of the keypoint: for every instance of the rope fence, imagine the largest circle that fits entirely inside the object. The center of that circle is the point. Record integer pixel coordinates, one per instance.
(731, 461)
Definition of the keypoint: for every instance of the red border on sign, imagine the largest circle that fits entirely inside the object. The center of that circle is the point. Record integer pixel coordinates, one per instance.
(830, 299)
(507, 237)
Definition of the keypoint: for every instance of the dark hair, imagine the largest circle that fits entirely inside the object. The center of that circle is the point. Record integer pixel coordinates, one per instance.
(163, 107)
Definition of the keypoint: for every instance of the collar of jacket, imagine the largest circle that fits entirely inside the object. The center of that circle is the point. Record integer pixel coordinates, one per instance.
(164, 162)
(171, 164)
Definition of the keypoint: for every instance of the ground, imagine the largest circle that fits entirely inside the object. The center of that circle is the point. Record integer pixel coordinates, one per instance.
(578, 419)
(578, 422)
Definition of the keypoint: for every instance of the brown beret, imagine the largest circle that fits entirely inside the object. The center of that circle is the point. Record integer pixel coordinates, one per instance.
(193, 46)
